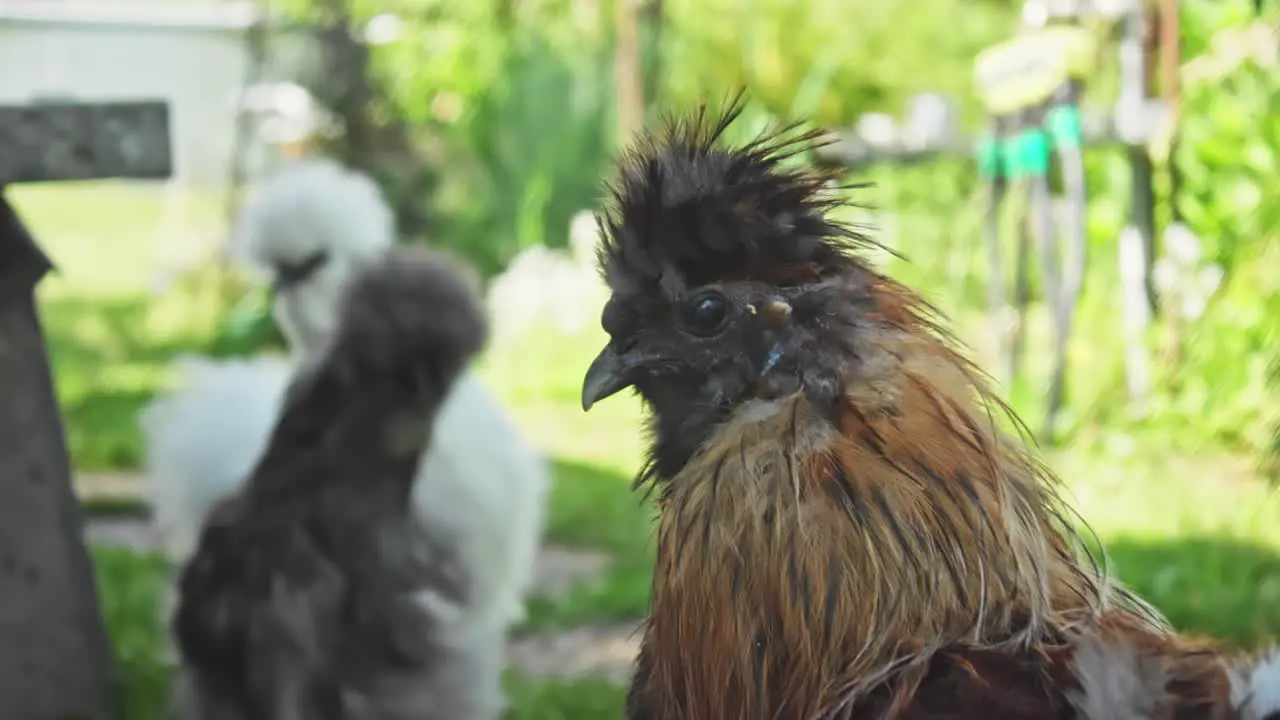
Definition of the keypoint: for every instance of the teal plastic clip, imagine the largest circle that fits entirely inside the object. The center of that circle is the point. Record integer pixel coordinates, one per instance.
(1064, 126)
(989, 152)
(1031, 148)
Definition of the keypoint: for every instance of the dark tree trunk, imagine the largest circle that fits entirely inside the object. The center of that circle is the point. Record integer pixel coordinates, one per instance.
(385, 149)
(55, 660)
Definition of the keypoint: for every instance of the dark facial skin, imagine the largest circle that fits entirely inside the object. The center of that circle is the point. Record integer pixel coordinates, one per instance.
(706, 350)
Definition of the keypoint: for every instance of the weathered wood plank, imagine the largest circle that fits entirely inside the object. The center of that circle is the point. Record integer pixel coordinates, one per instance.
(22, 262)
(55, 660)
(68, 140)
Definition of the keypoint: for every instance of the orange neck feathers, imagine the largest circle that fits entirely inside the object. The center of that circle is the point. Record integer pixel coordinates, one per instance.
(802, 564)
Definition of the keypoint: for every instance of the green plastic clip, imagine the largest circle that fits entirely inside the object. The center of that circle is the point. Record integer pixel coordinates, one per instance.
(1064, 126)
(1031, 148)
(989, 152)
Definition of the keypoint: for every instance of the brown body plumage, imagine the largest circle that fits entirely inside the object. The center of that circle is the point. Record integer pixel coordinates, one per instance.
(844, 531)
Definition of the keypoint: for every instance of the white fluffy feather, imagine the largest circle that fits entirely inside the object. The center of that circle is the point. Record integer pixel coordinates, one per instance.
(1116, 683)
(203, 439)
(313, 204)
(480, 478)
(1255, 686)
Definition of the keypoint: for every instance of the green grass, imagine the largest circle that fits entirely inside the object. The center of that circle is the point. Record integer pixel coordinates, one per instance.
(130, 587)
(111, 337)
(1196, 533)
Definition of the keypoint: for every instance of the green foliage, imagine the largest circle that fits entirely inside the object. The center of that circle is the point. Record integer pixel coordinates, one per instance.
(531, 154)
(828, 60)
(515, 99)
(130, 587)
(1217, 388)
(1202, 20)
(520, 120)
(1229, 157)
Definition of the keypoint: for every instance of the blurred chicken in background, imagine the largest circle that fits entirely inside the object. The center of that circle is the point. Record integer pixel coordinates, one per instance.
(311, 228)
(315, 590)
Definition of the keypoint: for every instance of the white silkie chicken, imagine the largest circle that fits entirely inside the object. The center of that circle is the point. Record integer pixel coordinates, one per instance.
(311, 228)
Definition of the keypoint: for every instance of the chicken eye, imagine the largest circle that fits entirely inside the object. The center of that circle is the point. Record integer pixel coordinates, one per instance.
(706, 314)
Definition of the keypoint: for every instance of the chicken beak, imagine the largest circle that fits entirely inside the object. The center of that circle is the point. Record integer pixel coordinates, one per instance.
(609, 373)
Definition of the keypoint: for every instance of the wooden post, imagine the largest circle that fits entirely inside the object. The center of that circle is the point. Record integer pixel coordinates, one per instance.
(1169, 48)
(55, 659)
(68, 140)
(255, 39)
(627, 72)
(651, 24)
(1143, 211)
(1137, 241)
(1170, 43)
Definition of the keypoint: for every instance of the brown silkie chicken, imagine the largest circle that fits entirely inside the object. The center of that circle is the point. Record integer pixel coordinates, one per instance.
(844, 531)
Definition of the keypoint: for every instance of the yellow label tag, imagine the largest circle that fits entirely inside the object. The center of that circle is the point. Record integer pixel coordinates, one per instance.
(1078, 46)
(1019, 73)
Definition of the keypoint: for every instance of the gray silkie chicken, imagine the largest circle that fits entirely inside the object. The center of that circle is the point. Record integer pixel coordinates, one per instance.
(311, 228)
(315, 591)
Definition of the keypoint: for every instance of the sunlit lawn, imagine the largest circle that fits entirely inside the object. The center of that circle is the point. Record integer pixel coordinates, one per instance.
(1195, 533)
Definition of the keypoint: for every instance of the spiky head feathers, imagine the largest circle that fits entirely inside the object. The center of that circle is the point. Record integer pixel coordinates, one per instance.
(686, 210)
(725, 266)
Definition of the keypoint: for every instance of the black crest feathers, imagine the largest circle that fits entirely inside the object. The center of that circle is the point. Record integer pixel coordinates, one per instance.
(415, 308)
(686, 208)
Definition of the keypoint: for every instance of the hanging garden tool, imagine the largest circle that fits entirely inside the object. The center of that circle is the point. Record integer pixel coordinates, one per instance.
(1078, 48)
(1015, 80)
(1031, 86)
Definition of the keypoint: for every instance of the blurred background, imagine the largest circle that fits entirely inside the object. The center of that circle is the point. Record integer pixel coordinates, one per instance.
(490, 125)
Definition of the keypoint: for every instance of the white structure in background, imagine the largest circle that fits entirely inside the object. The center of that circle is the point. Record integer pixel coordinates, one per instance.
(1135, 311)
(550, 289)
(195, 55)
(879, 130)
(931, 121)
(1181, 275)
(286, 115)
